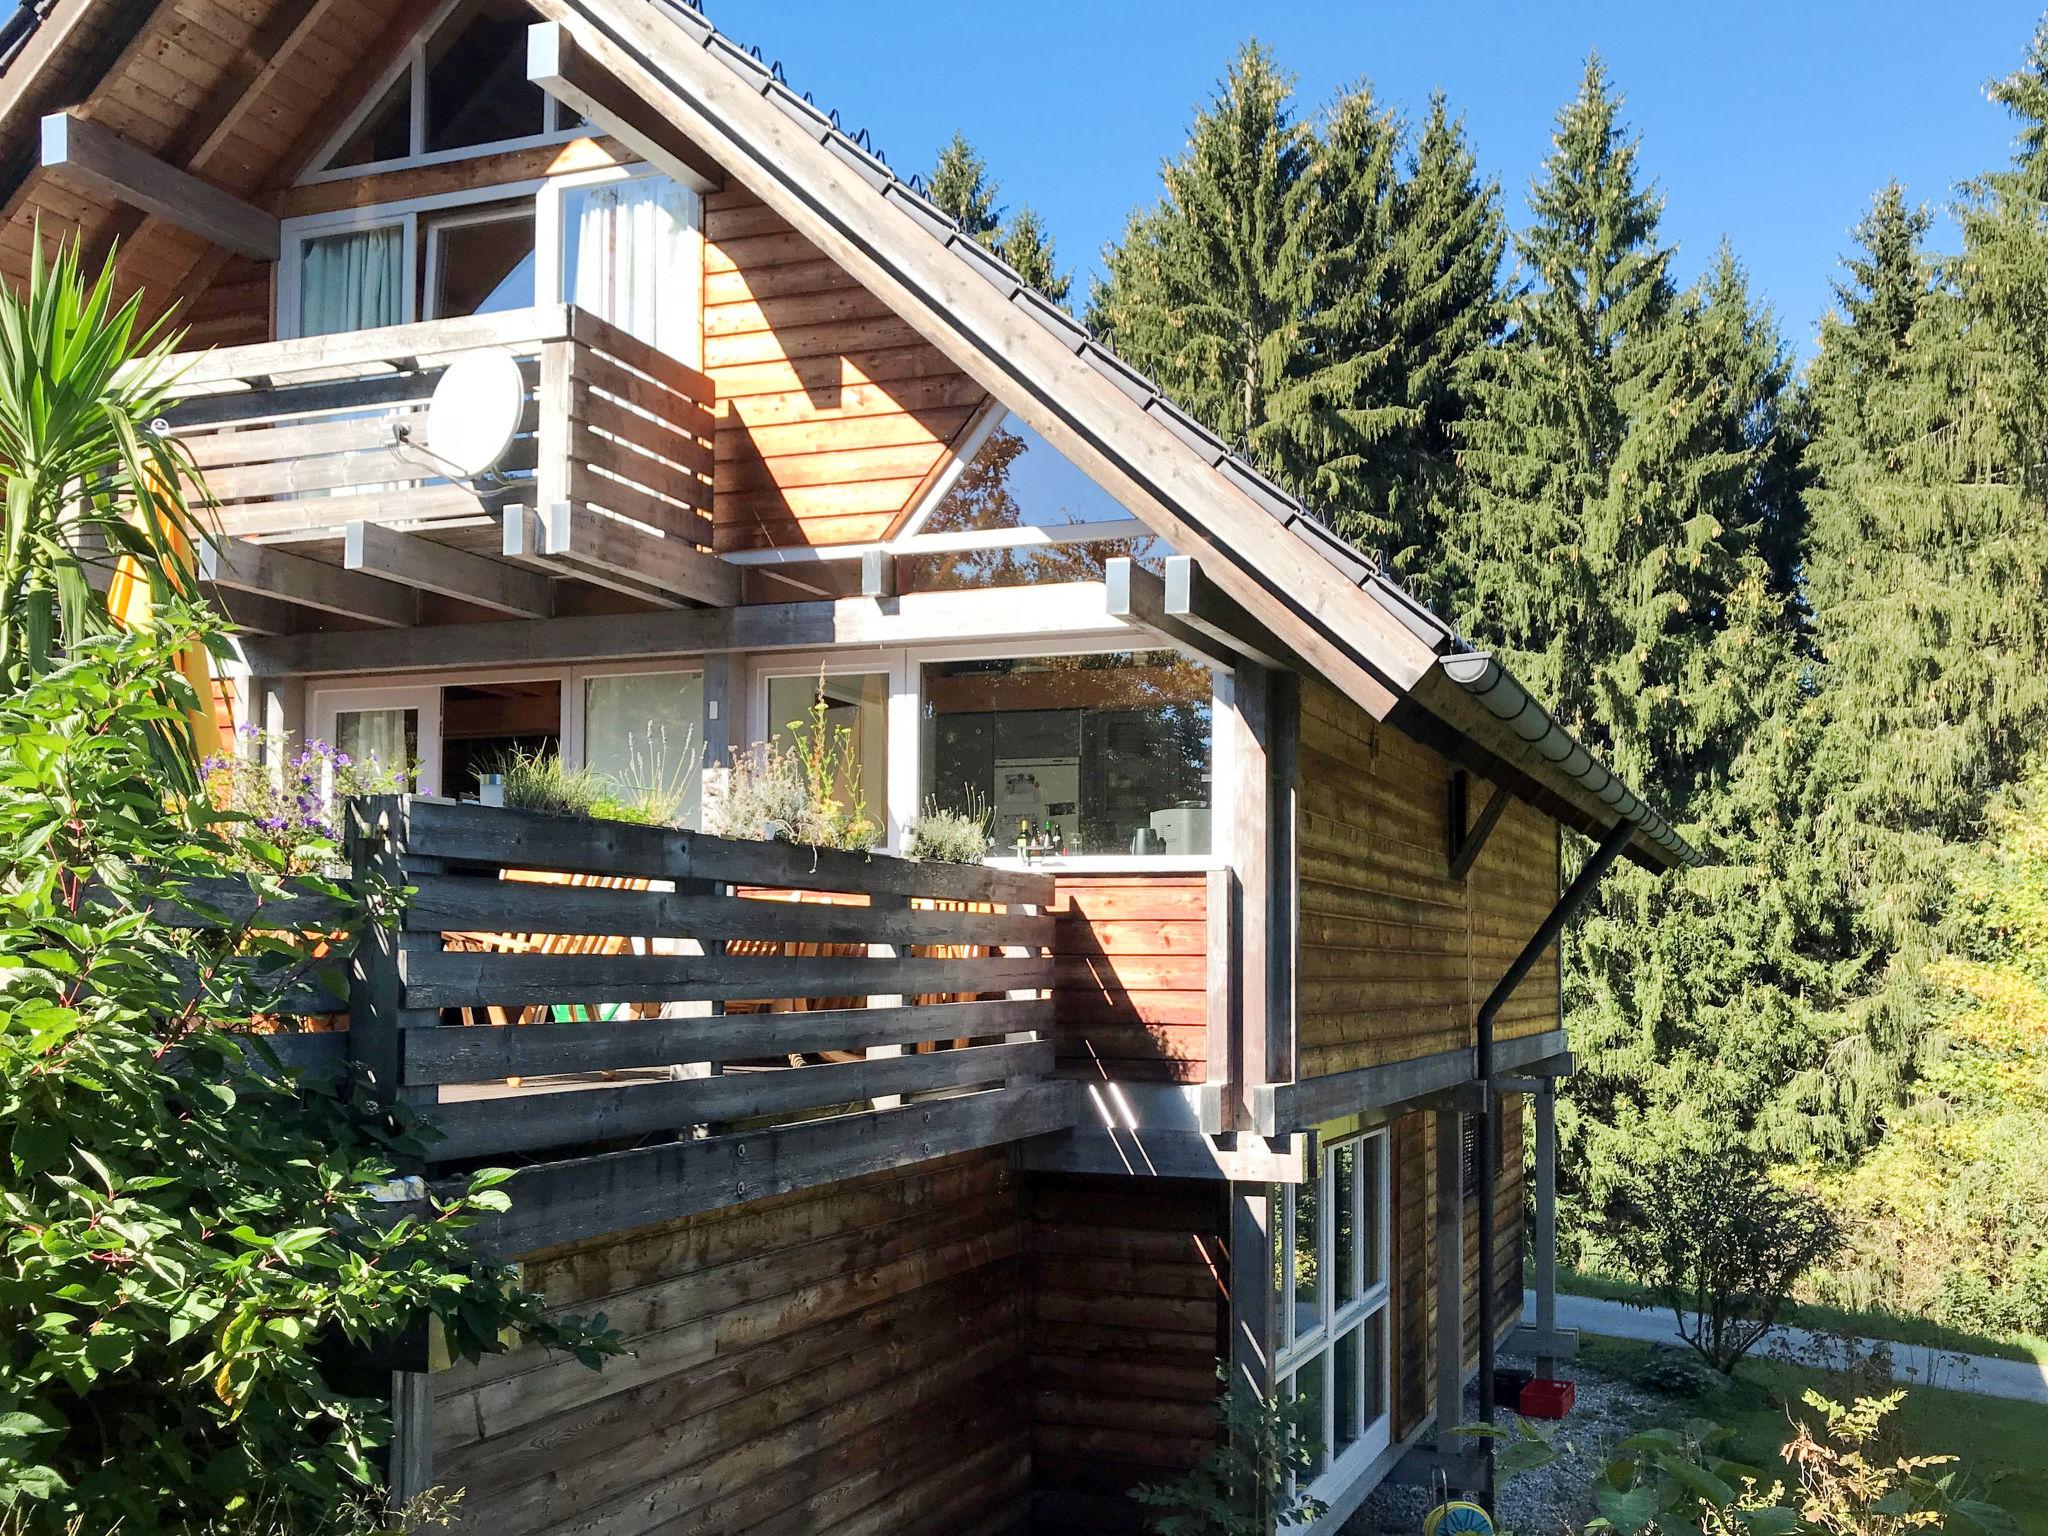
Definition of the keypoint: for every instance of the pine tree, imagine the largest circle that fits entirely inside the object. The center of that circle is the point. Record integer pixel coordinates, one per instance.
(960, 184)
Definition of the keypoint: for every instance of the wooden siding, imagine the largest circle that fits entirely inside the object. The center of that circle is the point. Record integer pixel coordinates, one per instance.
(1130, 1001)
(834, 413)
(1396, 955)
(1129, 1316)
(847, 1360)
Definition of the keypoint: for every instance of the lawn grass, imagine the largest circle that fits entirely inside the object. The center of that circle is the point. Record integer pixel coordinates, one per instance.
(1862, 1325)
(2003, 1444)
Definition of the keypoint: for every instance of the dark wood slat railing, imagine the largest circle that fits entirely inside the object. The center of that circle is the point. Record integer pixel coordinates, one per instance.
(521, 1009)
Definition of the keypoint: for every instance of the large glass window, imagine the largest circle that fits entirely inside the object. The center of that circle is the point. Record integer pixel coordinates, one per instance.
(1099, 754)
(856, 702)
(640, 729)
(1019, 511)
(1330, 1251)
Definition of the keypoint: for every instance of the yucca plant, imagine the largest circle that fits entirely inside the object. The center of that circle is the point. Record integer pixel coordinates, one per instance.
(88, 479)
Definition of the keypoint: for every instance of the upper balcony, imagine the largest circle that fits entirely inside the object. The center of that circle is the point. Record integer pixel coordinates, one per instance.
(334, 508)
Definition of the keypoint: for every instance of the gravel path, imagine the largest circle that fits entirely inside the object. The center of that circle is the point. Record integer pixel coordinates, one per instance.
(1541, 1503)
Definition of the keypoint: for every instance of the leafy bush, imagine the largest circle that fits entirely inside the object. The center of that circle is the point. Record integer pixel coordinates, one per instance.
(1242, 1486)
(805, 789)
(951, 837)
(1844, 1480)
(294, 810)
(1720, 1241)
(193, 1257)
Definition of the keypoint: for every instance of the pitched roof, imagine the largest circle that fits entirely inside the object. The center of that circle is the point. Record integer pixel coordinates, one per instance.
(1526, 738)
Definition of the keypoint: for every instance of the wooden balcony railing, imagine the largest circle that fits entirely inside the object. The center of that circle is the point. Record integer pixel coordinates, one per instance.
(654, 1022)
(300, 442)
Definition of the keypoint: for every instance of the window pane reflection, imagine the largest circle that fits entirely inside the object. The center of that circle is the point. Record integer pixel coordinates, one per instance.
(1106, 754)
(1308, 1310)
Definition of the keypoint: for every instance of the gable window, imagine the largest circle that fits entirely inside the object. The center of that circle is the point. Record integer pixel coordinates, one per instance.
(1330, 1264)
(460, 88)
(1018, 511)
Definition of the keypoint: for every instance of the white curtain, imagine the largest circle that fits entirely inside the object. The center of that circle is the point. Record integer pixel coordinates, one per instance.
(631, 258)
(352, 282)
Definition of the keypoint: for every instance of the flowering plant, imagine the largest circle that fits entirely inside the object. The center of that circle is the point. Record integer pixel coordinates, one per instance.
(295, 806)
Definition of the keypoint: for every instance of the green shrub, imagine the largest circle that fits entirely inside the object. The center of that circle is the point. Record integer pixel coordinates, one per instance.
(1249, 1484)
(193, 1256)
(1720, 1240)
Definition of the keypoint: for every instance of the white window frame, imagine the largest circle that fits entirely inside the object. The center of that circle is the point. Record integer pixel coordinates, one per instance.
(324, 705)
(436, 221)
(549, 231)
(1291, 1352)
(404, 213)
(902, 767)
(413, 62)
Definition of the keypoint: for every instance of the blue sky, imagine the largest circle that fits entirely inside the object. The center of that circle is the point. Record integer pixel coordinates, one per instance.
(1771, 123)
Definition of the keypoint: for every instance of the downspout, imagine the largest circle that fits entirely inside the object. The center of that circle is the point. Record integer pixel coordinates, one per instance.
(1567, 907)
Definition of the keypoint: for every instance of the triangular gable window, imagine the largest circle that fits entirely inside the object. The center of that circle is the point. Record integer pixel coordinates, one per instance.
(461, 87)
(1019, 511)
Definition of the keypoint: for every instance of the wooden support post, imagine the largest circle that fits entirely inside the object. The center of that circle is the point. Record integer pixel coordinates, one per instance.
(1222, 1108)
(96, 159)
(1546, 1220)
(886, 999)
(719, 730)
(1261, 1047)
(1450, 1280)
(378, 1021)
(1254, 1309)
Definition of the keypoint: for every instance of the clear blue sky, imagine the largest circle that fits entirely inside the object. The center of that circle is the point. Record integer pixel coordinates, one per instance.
(1771, 123)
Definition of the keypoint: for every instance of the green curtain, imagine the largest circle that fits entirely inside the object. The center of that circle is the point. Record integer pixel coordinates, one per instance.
(352, 282)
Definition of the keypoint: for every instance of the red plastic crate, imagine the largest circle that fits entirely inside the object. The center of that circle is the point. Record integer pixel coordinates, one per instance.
(1543, 1399)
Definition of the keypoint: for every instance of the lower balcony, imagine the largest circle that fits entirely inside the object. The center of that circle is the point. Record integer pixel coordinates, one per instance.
(646, 1022)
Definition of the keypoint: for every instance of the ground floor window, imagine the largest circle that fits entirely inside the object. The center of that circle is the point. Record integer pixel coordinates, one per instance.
(854, 702)
(1330, 1264)
(1096, 754)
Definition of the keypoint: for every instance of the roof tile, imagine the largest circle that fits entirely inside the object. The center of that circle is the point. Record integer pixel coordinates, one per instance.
(814, 122)
(1190, 431)
(986, 262)
(1051, 316)
(1119, 372)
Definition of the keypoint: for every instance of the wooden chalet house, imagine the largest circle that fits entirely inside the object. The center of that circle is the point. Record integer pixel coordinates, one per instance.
(927, 1197)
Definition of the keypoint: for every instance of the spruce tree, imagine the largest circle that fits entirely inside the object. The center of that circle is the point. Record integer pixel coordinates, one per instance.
(960, 184)
(1928, 568)
(1336, 425)
(1448, 311)
(1201, 291)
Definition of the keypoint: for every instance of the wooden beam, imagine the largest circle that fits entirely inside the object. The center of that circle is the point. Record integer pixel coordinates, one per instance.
(613, 552)
(877, 573)
(1138, 597)
(239, 566)
(98, 160)
(1472, 842)
(1283, 1107)
(261, 618)
(559, 67)
(1064, 611)
(412, 561)
(565, 1201)
(1192, 600)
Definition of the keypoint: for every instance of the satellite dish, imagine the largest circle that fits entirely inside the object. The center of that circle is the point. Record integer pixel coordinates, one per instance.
(475, 412)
